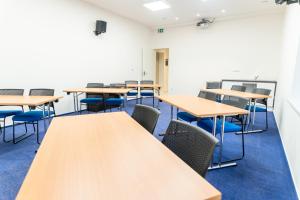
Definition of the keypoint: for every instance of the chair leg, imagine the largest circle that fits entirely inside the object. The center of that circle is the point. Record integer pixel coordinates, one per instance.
(33, 127)
(4, 139)
(267, 121)
(80, 108)
(14, 137)
(153, 101)
(243, 138)
(37, 133)
(25, 127)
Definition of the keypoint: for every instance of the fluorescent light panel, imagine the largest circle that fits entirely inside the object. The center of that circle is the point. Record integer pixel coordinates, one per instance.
(157, 5)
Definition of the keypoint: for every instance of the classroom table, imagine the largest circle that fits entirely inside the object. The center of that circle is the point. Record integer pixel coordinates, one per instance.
(252, 97)
(201, 108)
(78, 91)
(109, 156)
(11, 100)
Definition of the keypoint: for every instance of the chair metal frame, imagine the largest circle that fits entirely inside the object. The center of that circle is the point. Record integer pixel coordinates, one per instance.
(147, 89)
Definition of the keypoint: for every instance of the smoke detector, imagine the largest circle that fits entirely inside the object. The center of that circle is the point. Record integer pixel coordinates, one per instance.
(205, 22)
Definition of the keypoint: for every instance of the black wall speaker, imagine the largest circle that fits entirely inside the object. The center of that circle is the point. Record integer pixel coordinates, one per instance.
(100, 27)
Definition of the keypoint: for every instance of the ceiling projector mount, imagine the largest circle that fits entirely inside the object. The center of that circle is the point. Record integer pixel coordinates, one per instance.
(205, 22)
(286, 1)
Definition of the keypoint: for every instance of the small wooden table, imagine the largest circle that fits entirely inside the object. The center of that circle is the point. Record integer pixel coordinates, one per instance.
(246, 95)
(109, 156)
(11, 100)
(78, 91)
(201, 108)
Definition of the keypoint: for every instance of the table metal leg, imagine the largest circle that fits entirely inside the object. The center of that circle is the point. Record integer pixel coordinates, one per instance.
(74, 100)
(221, 164)
(125, 102)
(172, 112)
(253, 117)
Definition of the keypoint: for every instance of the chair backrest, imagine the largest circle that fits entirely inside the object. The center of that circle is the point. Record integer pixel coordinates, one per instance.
(117, 85)
(264, 92)
(213, 85)
(146, 116)
(190, 143)
(208, 95)
(17, 92)
(238, 88)
(41, 92)
(95, 85)
(250, 86)
(131, 82)
(150, 82)
(237, 102)
(147, 82)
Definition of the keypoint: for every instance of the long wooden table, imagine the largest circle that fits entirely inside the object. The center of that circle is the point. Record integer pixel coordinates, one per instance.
(109, 156)
(252, 97)
(202, 108)
(78, 91)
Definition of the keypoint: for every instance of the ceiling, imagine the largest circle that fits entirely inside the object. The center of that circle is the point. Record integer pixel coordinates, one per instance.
(186, 11)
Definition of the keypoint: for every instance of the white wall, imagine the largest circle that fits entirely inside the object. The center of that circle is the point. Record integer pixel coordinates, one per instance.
(51, 44)
(238, 49)
(287, 111)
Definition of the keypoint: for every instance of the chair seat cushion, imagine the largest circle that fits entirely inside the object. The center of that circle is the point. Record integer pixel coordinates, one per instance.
(132, 93)
(257, 108)
(186, 117)
(114, 101)
(207, 124)
(31, 116)
(91, 100)
(7, 113)
(147, 94)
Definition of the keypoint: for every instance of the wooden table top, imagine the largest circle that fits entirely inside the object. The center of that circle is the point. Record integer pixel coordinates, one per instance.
(99, 90)
(200, 107)
(109, 156)
(233, 93)
(156, 86)
(7, 100)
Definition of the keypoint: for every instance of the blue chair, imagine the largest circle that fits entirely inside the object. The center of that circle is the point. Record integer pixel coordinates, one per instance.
(8, 113)
(262, 104)
(114, 100)
(92, 99)
(34, 115)
(134, 92)
(185, 116)
(147, 92)
(229, 127)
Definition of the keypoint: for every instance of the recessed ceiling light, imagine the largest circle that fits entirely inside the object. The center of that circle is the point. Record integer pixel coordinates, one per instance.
(157, 5)
(198, 15)
(223, 11)
(176, 18)
(204, 0)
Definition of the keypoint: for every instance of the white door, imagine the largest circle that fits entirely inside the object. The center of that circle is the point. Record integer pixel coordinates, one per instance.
(149, 64)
